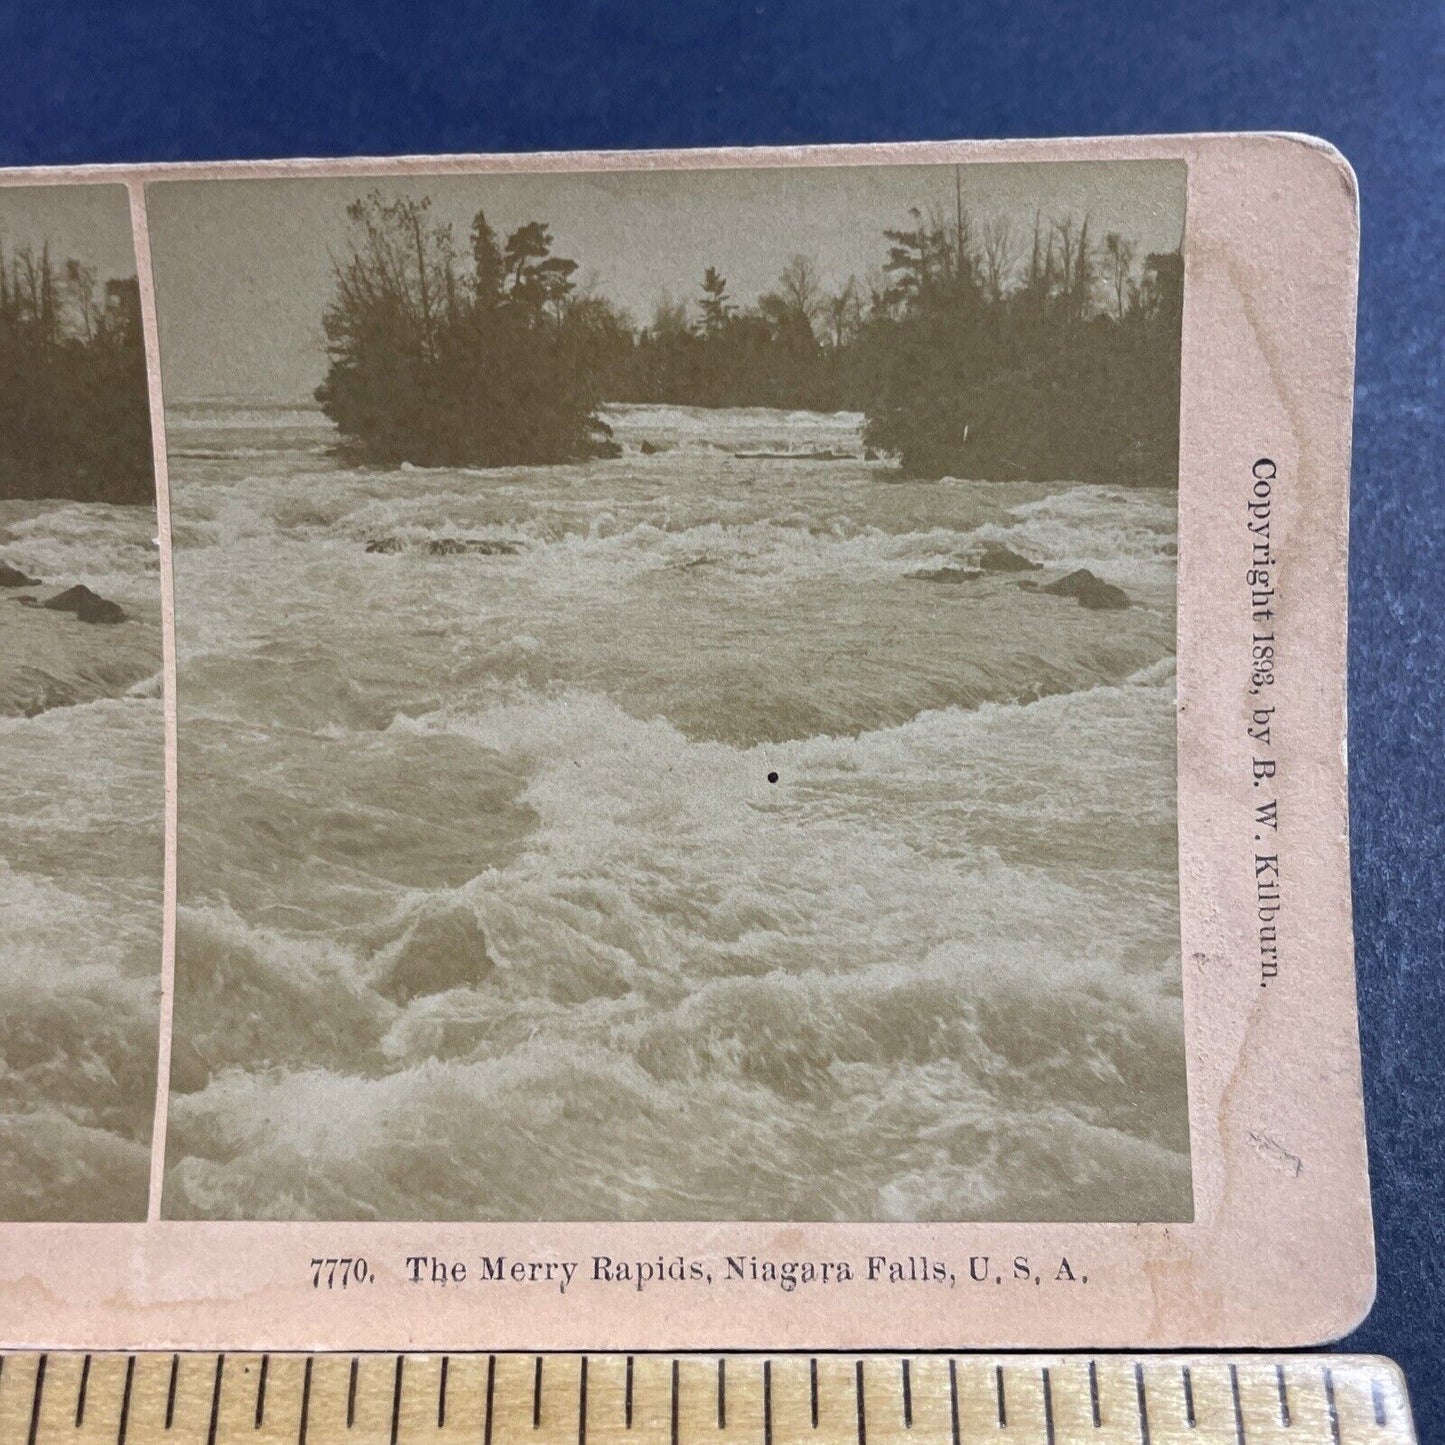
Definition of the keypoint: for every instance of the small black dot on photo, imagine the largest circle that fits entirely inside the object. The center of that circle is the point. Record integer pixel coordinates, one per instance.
(772, 777)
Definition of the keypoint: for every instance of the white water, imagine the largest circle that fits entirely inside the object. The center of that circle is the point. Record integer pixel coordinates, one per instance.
(81, 793)
(489, 910)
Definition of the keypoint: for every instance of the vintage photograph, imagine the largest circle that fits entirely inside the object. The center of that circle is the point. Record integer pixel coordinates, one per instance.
(676, 685)
(81, 727)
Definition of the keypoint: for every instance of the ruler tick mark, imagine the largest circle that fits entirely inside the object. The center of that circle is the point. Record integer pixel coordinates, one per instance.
(261, 1392)
(305, 1403)
(491, 1391)
(536, 1396)
(767, 1402)
(674, 1402)
(442, 1394)
(722, 1397)
(627, 1407)
(953, 1396)
(1284, 1416)
(582, 1403)
(1189, 1418)
(35, 1399)
(1330, 1404)
(813, 1388)
(998, 1393)
(396, 1399)
(1378, 1396)
(80, 1397)
(1048, 1407)
(215, 1400)
(1094, 1392)
(1238, 1408)
(351, 1395)
(125, 1400)
(907, 1398)
(1143, 1403)
(862, 1411)
(171, 1391)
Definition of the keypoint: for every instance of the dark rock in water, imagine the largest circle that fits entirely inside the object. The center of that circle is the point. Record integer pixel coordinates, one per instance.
(606, 451)
(9, 577)
(473, 546)
(1091, 591)
(651, 449)
(98, 609)
(1105, 598)
(998, 558)
(946, 574)
(385, 544)
(88, 606)
(444, 950)
(69, 600)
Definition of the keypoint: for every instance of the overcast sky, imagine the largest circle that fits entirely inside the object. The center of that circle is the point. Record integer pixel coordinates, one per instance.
(243, 267)
(90, 224)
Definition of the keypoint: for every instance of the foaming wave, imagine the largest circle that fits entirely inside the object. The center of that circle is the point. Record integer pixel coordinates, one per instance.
(1126, 536)
(688, 966)
(56, 1168)
(735, 429)
(78, 1036)
(111, 549)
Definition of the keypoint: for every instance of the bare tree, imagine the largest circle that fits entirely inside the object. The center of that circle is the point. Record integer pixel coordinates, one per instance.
(792, 309)
(999, 255)
(799, 287)
(1076, 266)
(843, 311)
(960, 259)
(878, 301)
(1119, 267)
(80, 288)
(669, 317)
(1068, 245)
(1039, 284)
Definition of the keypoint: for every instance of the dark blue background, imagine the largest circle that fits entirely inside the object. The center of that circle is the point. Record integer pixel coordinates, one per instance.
(81, 82)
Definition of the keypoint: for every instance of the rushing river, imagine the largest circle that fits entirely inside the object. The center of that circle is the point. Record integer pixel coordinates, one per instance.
(490, 910)
(81, 807)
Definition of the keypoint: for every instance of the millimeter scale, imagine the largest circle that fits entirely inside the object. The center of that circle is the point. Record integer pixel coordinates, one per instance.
(159, 1398)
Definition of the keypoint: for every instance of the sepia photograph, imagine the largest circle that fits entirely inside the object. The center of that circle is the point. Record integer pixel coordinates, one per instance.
(676, 693)
(81, 727)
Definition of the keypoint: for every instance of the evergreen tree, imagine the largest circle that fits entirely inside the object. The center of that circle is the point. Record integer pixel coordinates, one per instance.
(717, 309)
(487, 273)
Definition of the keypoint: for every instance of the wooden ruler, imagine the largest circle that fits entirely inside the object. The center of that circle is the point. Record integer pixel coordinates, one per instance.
(732, 1399)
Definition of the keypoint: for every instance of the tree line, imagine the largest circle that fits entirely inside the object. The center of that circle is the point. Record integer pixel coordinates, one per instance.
(74, 406)
(973, 350)
(444, 360)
